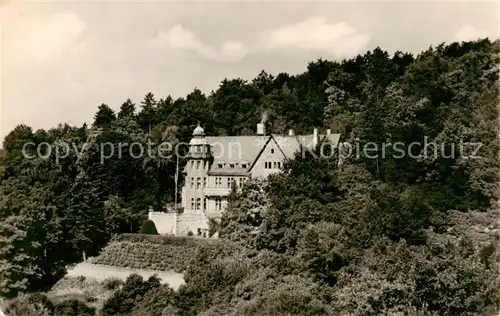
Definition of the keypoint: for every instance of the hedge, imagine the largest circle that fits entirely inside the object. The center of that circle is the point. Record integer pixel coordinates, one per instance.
(181, 241)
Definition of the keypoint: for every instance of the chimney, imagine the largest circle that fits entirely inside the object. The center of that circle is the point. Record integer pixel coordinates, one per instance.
(328, 131)
(261, 129)
(315, 137)
(291, 132)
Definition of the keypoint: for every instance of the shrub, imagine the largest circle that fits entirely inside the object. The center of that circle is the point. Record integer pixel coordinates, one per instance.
(164, 240)
(112, 283)
(143, 255)
(154, 302)
(213, 226)
(131, 294)
(211, 276)
(148, 228)
(73, 308)
(30, 305)
(190, 233)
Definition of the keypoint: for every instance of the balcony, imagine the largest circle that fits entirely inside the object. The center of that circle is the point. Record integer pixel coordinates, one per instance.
(216, 191)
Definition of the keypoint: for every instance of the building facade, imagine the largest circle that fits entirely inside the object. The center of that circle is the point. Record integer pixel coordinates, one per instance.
(215, 164)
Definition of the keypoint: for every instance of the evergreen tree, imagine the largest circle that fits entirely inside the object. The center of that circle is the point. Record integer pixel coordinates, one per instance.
(104, 116)
(127, 109)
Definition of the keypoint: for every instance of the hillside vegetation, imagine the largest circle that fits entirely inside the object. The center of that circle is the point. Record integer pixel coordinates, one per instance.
(381, 234)
(152, 252)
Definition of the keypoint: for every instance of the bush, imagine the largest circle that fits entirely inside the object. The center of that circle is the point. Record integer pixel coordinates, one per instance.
(190, 233)
(73, 308)
(90, 297)
(130, 295)
(213, 226)
(211, 276)
(142, 255)
(284, 296)
(91, 290)
(148, 228)
(112, 283)
(30, 305)
(154, 302)
(163, 240)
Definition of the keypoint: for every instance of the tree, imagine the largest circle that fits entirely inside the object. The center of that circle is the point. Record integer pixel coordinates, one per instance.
(104, 116)
(147, 117)
(244, 213)
(148, 227)
(127, 109)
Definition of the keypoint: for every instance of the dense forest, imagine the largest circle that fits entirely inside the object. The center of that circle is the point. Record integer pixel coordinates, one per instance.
(413, 235)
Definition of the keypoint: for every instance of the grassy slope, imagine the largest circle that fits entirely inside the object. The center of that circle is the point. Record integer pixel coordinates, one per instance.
(152, 252)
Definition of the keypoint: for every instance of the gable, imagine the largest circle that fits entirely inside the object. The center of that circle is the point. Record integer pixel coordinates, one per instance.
(269, 160)
(235, 151)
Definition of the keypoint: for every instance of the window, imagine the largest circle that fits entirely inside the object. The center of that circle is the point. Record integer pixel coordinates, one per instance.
(198, 163)
(192, 203)
(230, 182)
(272, 150)
(204, 203)
(218, 182)
(243, 165)
(220, 166)
(192, 183)
(204, 182)
(275, 165)
(198, 203)
(192, 164)
(231, 165)
(218, 203)
(241, 181)
(265, 165)
(279, 164)
(198, 182)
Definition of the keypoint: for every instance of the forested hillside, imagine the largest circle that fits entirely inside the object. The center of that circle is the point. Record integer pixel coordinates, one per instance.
(414, 235)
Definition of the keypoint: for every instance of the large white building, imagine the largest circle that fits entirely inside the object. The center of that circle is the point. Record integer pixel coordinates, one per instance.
(215, 163)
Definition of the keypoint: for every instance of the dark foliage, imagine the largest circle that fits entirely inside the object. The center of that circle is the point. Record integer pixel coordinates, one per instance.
(73, 308)
(148, 228)
(398, 229)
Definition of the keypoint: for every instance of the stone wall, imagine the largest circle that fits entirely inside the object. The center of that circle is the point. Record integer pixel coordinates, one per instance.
(178, 224)
(191, 222)
(166, 223)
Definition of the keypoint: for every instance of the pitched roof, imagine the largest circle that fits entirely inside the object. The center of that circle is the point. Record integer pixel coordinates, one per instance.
(235, 149)
(290, 145)
(240, 150)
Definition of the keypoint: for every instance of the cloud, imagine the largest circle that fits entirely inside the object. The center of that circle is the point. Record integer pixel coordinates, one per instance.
(315, 33)
(470, 33)
(179, 38)
(41, 55)
(39, 39)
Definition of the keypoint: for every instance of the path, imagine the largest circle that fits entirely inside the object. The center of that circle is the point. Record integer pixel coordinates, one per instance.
(101, 272)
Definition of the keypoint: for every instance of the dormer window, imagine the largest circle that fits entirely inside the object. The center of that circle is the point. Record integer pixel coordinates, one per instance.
(243, 165)
(231, 165)
(220, 166)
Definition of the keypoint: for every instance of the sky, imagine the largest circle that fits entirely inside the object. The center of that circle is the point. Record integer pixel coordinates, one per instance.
(61, 59)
